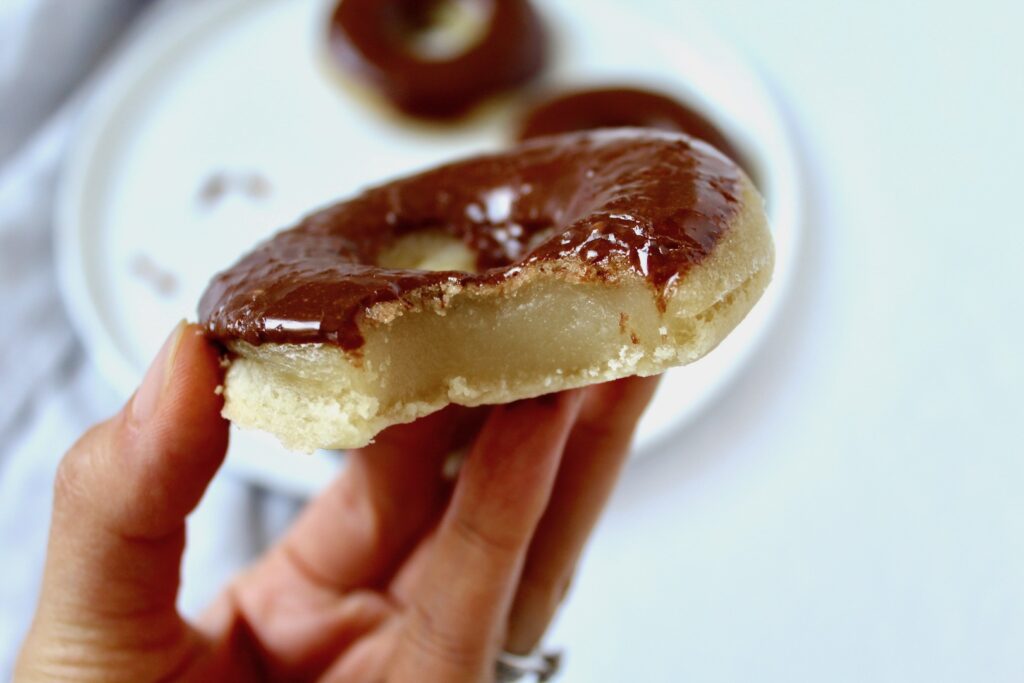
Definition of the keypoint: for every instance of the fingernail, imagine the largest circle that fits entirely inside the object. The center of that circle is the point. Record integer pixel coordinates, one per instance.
(147, 398)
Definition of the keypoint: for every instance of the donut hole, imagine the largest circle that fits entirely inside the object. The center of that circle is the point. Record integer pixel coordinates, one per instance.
(428, 250)
(438, 30)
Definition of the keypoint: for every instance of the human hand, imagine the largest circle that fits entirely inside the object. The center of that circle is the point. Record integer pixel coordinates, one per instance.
(392, 574)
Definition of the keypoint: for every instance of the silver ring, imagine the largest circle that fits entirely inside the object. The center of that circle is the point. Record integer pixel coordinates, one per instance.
(509, 667)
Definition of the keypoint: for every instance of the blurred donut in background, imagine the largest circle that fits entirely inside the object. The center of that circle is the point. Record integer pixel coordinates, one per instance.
(622, 106)
(435, 59)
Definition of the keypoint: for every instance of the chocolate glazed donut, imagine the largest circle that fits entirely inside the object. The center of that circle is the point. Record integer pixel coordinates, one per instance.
(654, 204)
(372, 38)
(619, 107)
(581, 258)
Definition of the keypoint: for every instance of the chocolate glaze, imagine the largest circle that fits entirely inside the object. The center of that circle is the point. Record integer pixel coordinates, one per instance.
(616, 107)
(366, 36)
(655, 203)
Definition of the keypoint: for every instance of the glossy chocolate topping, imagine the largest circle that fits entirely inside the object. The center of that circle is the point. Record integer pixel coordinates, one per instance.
(654, 203)
(618, 107)
(372, 38)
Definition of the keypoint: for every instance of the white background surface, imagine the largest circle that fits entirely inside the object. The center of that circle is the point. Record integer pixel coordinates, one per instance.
(852, 510)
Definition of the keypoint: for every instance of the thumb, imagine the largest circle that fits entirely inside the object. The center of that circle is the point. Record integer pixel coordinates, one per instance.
(120, 501)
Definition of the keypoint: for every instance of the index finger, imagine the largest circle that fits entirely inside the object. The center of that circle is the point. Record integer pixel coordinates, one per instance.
(354, 533)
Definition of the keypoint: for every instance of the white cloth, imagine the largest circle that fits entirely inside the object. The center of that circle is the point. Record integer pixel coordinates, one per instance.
(51, 394)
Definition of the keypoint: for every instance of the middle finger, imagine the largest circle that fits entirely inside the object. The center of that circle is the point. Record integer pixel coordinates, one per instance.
(463, 584)
(597, 448)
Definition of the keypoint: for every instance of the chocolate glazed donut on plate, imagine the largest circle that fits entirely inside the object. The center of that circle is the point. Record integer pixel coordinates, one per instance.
(382, 42)
(622, 106)
(563, 262)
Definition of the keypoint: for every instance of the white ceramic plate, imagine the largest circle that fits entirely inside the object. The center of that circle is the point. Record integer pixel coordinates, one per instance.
(243, 87)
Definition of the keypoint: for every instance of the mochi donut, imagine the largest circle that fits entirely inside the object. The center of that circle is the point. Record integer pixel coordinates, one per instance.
(562, 262)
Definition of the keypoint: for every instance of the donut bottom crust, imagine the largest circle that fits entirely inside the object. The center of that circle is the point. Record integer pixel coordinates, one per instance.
(547, 330)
